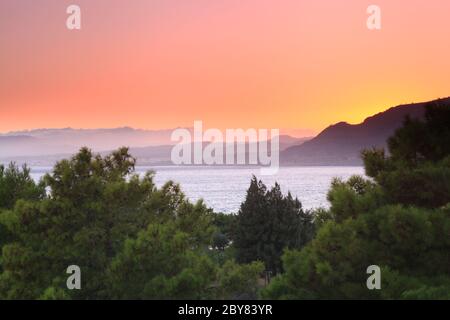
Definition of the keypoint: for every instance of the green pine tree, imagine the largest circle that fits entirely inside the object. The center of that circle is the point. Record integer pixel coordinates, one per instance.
(267, 224)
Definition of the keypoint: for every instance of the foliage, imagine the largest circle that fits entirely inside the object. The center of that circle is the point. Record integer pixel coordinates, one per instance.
(399, 221)
(129, 238)
(133, 240)
(16, 183)
(237, 281)
(160, 264)
(267, 224)
(417, 172)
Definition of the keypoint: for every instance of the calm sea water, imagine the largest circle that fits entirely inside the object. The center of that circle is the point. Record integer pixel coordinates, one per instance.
(224, 188)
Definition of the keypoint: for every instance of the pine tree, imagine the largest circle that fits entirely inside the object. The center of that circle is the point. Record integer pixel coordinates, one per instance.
(398, 220)
(267, 224)
(250, 221)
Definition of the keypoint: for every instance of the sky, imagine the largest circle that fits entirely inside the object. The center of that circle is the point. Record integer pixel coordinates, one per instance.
(158, 64)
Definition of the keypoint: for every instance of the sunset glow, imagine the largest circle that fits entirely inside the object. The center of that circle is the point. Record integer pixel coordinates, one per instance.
(230, 63)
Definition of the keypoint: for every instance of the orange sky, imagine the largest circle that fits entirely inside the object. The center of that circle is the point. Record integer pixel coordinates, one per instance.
(230, 63)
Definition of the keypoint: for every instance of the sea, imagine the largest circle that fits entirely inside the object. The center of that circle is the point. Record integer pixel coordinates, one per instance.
(224, 188)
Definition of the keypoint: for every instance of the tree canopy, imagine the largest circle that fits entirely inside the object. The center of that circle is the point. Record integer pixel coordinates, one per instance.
(398, 220)
(267, 224)
(129, 238)
(133, 240)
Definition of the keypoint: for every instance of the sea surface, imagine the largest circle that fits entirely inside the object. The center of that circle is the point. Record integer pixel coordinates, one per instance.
(224, 188)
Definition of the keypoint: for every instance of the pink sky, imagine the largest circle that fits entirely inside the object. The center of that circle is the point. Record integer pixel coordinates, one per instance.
(230, 63)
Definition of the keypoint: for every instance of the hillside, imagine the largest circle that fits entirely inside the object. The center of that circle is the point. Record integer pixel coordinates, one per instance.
(341, 144)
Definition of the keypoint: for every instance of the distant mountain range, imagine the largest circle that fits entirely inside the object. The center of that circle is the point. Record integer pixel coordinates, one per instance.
(160, 155)
(43, 147)
(61, 141)
(341, 144)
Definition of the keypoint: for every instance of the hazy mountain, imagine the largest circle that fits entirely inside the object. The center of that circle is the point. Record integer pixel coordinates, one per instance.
(287, 141)
(341, 144)
(161, 154)
(45, 146)
(15, 145)
(68, 140)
